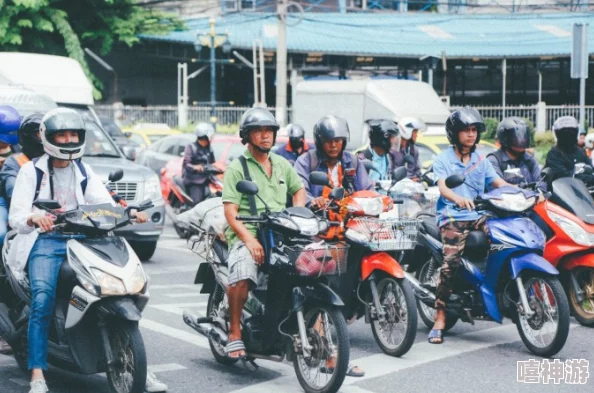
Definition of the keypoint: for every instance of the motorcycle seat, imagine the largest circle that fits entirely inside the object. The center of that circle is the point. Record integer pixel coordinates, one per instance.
(431, 228)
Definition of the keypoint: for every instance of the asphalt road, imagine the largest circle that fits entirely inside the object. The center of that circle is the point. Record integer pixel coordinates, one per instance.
(480, 357)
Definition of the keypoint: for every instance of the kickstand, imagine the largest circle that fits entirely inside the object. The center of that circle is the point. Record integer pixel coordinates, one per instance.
(252, 362)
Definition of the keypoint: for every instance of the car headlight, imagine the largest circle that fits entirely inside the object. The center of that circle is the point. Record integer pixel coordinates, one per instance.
(513, 202)
(573, 230)
(370, 206)
(307, 226)
(109, 284)
(152, 188)
(137, 281)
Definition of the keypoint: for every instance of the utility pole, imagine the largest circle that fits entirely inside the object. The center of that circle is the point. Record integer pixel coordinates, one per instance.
(281, 64)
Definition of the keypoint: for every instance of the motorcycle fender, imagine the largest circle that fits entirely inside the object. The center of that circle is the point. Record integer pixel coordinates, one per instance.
(79, 304)
(584, 260)
(380, 261)
(531, 262)
(122, 307)
(318, 292)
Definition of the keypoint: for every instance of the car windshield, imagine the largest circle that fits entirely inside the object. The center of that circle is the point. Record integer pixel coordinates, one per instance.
(112, 128)
(156, 137)
(98, 143)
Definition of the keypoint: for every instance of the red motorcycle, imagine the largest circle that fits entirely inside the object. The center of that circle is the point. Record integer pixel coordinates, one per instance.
(567, 219)
(176, 196)
(374, 285)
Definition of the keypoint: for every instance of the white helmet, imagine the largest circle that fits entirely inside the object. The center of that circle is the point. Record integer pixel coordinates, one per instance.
(408, 124)
(204, 129)
(62, 119)
(590, 141)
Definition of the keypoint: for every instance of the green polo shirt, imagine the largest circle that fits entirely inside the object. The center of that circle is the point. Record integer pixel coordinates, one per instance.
(272, 189)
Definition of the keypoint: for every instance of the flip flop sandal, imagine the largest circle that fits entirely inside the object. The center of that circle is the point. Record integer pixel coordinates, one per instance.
(350, 372)
(235, 346)
(436, 334)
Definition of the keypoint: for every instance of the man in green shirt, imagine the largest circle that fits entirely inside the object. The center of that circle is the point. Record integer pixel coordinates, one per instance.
(275, 178)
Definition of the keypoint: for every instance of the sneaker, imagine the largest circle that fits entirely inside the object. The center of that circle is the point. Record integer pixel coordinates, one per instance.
(38, 386)
(152, 384)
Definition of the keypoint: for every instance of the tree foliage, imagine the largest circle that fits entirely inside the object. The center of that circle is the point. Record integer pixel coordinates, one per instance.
(65, 27)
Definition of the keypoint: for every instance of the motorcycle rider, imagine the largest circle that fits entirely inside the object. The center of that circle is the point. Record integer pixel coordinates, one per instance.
(331, 134)
(582, 140)
(566, 153)
(408, 154)
(9, 125)
(275, 178)
(197, 155)
(384, 142)
(296, 145)
(455, 207)
(513, 136)
(590, 146)
(62, 134)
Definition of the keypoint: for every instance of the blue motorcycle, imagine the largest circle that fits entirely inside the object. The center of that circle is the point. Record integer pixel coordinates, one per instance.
(502, 274)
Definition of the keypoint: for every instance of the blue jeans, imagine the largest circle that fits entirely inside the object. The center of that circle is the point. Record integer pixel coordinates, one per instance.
(45, 261)
(3, 220)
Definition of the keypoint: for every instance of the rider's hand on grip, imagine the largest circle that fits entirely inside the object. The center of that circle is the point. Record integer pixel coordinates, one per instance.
(44, 222)
(464, 203)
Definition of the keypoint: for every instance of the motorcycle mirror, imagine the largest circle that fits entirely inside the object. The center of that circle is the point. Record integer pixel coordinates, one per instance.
(319, 178)
(454, 181)
(129, 152)
(247, 187)
(368, 165)
(398, 174)
(47, 204)
(409, 159)
(336, 194)
(116, 175)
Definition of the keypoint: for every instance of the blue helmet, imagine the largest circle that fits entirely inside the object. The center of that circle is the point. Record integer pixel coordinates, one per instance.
(10, 122)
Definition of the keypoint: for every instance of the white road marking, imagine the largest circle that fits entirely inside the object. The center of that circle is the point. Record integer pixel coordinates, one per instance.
(185, 294)
(172, 248)
(171, 270)
(174, 286)
(160, 368)
(178, 309)
(190, 338)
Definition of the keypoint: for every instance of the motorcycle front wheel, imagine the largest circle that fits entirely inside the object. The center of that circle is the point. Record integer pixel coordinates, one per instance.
(128, 374)
(545, 331)
(396, 334)
(324, 368)
(583, 311)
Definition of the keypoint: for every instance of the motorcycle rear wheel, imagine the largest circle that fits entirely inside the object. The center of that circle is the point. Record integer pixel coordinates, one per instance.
(217, 301)
(427, 313)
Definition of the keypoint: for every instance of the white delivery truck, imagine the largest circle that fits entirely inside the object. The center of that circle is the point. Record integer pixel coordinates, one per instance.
(360, 100)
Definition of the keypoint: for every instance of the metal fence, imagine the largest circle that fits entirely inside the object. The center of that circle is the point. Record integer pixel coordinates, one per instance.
(230, 115)
(130, 115)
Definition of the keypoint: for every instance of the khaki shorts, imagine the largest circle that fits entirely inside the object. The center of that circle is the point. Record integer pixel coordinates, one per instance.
(241, 264)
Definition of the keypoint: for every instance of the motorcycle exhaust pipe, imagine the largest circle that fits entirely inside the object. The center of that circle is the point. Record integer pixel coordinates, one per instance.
(421, 293)
(199, 323)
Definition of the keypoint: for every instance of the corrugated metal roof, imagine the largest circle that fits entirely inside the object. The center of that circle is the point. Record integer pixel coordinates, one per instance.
(403, 35)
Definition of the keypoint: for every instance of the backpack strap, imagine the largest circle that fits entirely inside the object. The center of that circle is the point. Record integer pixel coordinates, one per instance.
(367, 154)
(313, 160)
(246, 176)
(83, 171)
(39, 178)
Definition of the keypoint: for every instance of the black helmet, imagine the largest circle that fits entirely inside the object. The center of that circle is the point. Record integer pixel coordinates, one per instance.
(29, 136)
(460, 120)
(566, 130)
(329, 128)
(513, 132)
(296, 135)
(381, 131)
(254, 118)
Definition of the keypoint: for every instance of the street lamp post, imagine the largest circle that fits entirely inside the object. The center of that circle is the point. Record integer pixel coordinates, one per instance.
(211, 40)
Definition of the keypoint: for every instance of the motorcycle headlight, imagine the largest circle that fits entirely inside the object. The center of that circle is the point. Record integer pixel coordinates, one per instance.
(83, 276)
(573, 230)
(357, 237)
(152, 188)
(307, 226)
(109, 284)
(513, 202)
(285, 222)
(370, 206)
(137, 281)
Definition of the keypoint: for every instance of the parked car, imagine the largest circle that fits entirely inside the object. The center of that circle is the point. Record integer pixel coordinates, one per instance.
(126, 145)
(137, 185)
(145, 134)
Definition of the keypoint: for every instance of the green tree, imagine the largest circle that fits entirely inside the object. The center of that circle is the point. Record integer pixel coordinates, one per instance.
(65, 27)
